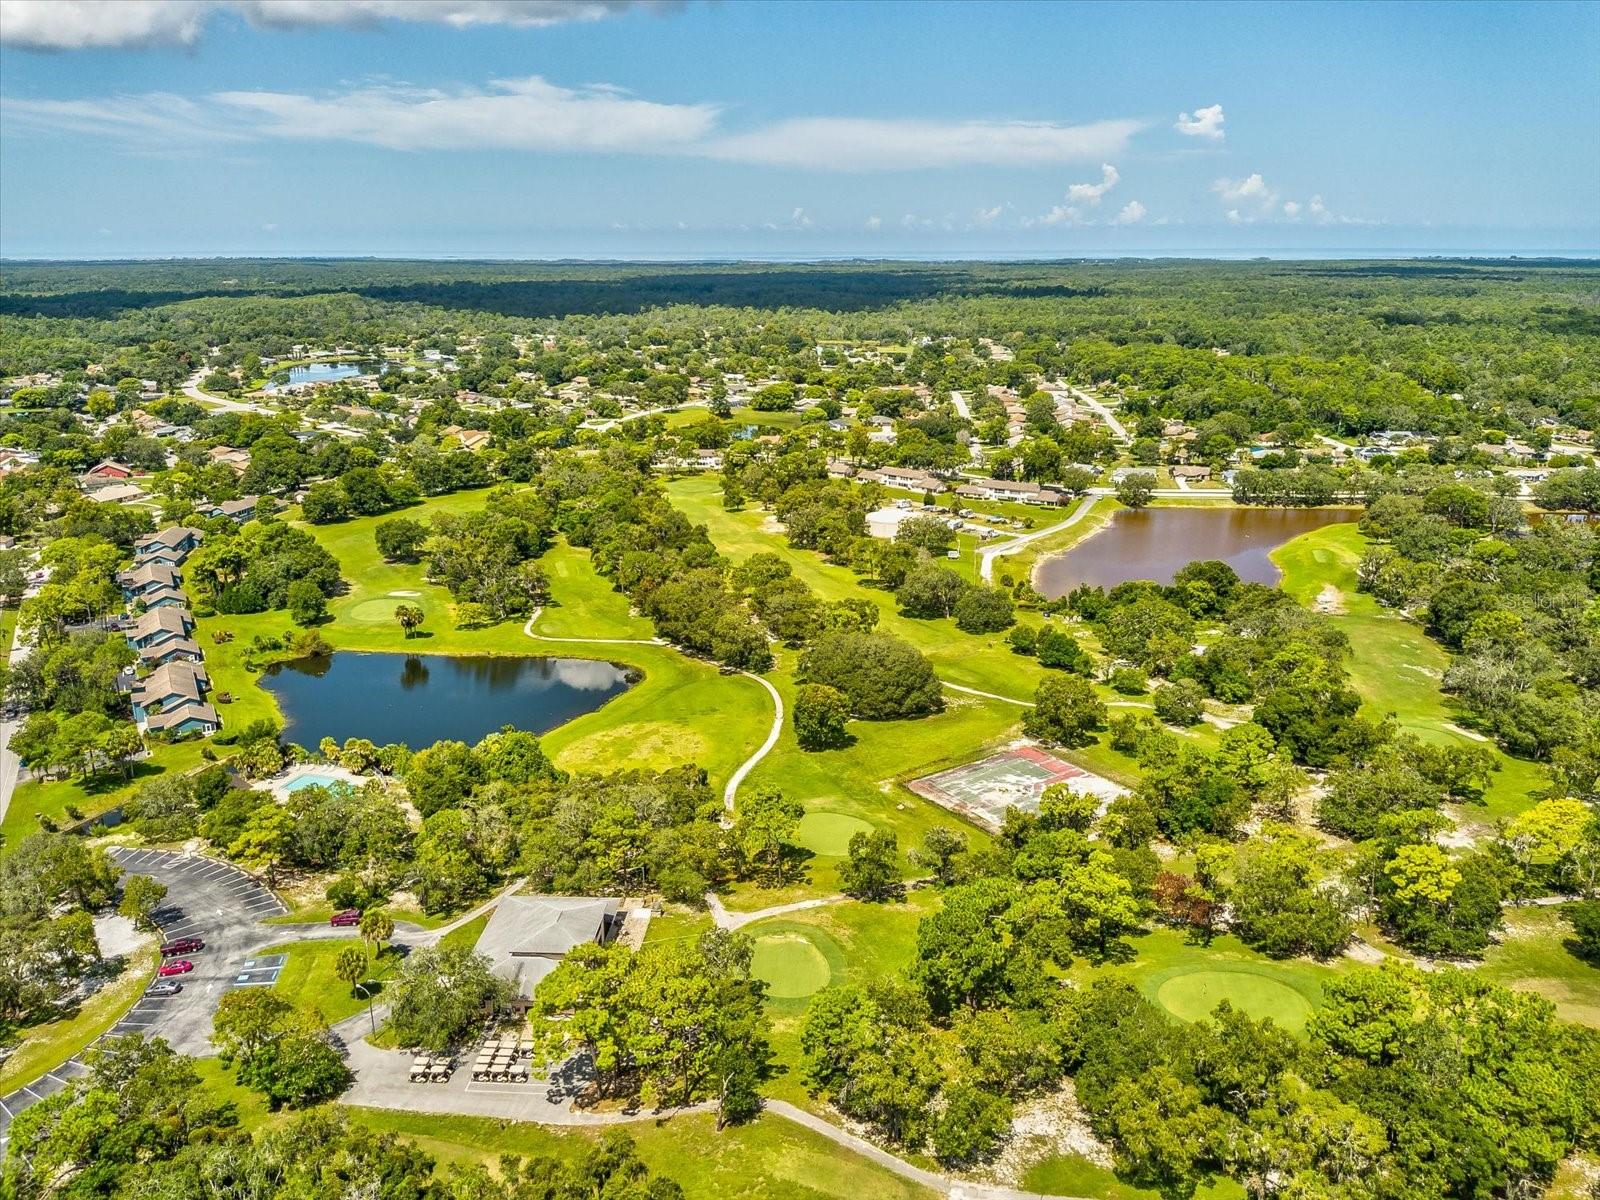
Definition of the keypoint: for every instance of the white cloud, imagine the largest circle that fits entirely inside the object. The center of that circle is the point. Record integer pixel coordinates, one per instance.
(91, 24)
(1132, 213)
(799, 219)
(1090, 193)
(1251, 190)
(1291, 209)
(874, 224)
(534, 114)
(1202, 123)
(988, 216)
(867, 144)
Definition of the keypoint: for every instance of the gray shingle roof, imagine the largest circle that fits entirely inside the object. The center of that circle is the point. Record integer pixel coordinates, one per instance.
(529, 935)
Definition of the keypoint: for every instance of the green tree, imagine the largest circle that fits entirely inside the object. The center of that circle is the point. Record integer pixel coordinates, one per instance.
(871, 868)
(1066, 712)
(307, 605)
(351, 966)
(400, 539)
(1136, 488)
(985, 610)
(821, 714)
(141, 897)
(410, 617)
(442, 994)
(764, 825)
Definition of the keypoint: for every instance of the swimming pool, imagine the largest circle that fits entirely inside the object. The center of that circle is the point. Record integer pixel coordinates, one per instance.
(305, 781)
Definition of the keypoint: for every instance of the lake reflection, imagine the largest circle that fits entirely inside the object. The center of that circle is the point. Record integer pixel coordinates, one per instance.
(420, 699)
(1155, 543)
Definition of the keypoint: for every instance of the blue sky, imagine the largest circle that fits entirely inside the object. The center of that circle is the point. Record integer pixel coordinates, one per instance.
(601, 128)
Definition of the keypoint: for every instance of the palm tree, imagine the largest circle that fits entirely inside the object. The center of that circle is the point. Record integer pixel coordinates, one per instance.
(351, 966)
(410, 617)
(376, 927)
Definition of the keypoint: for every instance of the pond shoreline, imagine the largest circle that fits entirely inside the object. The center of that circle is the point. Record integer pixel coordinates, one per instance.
(1235, 543)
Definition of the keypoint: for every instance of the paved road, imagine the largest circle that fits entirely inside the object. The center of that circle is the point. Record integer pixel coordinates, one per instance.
(988, 554)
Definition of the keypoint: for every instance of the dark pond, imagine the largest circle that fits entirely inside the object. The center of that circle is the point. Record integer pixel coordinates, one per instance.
(420, 699)
(1154, 543)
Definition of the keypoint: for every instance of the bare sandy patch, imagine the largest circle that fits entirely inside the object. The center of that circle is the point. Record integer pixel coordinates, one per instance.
(1330, 600)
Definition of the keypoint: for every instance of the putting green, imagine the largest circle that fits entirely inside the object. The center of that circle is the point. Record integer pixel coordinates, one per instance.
(829, 833)
(1195, 994)
(790, 964)
(375, 612)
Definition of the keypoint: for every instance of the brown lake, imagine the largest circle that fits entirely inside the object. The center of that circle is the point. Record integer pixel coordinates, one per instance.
(1155, 543)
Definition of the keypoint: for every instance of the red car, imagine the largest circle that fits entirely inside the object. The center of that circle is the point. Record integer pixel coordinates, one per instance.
(178, 966)
(350, 916)
(186, 945)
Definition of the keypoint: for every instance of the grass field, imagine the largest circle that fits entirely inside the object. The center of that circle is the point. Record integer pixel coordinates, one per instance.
(1393, 664)
(792, 963)
(1189, 980)
(767, 1159)
(46, 1046)
(308, 977)
(1531, 956)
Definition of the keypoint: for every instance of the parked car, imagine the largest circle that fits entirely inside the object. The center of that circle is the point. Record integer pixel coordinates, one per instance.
(176, 966)
(349, 916)
(164, 987)
(186, 945)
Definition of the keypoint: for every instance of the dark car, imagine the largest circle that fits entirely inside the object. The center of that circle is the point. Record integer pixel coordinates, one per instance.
(164, 987)
(186, 945)
(349, 916)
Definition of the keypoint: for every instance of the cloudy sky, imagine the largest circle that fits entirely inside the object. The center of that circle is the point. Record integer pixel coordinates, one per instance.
(606, 128)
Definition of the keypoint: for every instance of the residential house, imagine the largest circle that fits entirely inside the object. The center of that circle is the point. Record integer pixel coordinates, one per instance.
(469, 439)
(172, 544)
(910, 478)
(1192, 473)
(110, 471)
(185, 720)
(240, 510)
(12, 460)
(528, 936)
(175, 650)
(166, 597)
(230, 456)
(169, 688)
(117, 493)
(145, 579)
(1010, 489)
(159, 625)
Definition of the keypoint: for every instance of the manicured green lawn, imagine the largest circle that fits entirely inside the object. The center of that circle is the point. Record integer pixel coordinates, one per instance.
(45, 1047)
(52, 799)
(308, 976)
(767, 1159)
(1393, 664)
(1531, 955)
(791, 963)
(1188, 980)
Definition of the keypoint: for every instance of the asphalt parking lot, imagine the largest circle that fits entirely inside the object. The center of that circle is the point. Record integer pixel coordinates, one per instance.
(205, 899)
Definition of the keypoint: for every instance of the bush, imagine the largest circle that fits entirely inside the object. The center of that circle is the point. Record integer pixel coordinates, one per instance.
(1129, 681)
(1023, 639)
(1058, 649)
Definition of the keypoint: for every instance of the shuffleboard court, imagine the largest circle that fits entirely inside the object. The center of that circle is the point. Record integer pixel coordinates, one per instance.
(983, 791)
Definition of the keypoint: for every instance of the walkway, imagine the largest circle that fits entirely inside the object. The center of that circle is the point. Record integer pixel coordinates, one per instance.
(750, 763)
(1104, 413)
(542, 637)
(956, 687)
(10, 765)
(722, 918)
